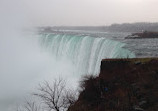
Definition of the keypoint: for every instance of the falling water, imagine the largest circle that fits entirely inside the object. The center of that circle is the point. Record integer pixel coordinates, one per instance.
(84, 53)
(69, 56)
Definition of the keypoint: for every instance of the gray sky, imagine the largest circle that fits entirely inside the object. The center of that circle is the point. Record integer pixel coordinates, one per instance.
(84, 12)
(21, 59)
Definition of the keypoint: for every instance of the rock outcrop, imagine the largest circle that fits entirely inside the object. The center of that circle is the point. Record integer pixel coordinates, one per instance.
(122, 85)
(143, 35)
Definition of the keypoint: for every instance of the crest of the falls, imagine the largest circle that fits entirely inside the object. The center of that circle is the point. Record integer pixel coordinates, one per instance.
(84, 53)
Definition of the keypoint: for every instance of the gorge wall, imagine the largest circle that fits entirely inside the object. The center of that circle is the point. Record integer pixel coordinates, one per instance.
(122, 85)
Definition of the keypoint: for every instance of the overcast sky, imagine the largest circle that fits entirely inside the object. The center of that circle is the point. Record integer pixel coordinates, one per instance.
(82, 12)
(21, 59)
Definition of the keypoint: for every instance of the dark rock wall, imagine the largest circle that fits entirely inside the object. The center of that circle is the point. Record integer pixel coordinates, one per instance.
(122, 85)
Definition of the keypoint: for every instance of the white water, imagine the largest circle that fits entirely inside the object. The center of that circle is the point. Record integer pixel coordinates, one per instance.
(83, 53)
(24, 65)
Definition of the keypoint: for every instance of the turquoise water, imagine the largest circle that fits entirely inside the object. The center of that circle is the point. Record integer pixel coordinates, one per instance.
(83, 52)
(26, 62)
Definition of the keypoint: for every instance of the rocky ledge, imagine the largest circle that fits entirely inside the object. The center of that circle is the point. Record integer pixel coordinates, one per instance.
(122, 85)
(143, 35)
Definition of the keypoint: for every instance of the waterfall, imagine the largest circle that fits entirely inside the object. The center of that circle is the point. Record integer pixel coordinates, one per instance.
(68, 56)
(83, 52)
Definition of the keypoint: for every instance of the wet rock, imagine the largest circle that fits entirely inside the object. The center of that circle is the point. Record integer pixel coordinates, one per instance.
(122, 85)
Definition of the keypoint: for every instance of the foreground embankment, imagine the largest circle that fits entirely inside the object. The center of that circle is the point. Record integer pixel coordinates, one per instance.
(122, 85)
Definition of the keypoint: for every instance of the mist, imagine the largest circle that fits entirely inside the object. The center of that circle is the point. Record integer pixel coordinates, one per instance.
(23, 63)
(21, 60)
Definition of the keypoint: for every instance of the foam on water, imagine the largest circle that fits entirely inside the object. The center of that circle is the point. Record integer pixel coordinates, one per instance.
(24, 65)
(84, 53)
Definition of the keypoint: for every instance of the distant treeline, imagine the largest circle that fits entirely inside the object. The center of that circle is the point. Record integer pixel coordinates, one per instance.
(125, 27)
(134, 27)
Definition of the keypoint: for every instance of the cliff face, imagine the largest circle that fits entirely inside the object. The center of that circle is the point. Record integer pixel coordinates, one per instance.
(122, 85)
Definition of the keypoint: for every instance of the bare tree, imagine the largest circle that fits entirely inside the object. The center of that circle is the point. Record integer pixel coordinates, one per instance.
(29, 106)
(55, 96)
(70, 97)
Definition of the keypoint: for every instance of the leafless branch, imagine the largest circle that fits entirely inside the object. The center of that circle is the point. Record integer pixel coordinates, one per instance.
(29, 106)
(54, 96)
